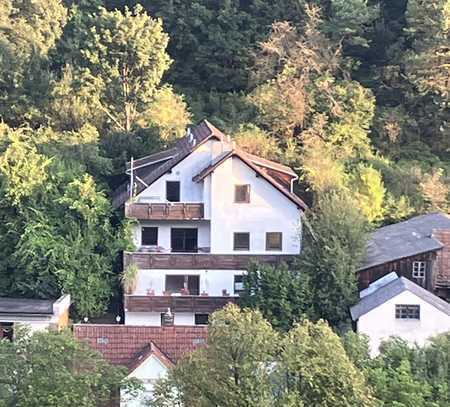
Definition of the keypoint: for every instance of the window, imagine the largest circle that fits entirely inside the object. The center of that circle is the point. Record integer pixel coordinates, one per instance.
(274, 241)
(7, 331)
(149, 236)
(403, 311)
(184, 240)
(183, 284)
(418, 269)
(201, 319)
(238, 284)
(242, 193)
(241, 241)
(173, 191)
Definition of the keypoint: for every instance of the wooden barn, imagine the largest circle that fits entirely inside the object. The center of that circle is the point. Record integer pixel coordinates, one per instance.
(418, 249)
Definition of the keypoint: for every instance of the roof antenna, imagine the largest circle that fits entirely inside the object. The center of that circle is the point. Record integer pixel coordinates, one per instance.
(131, 177)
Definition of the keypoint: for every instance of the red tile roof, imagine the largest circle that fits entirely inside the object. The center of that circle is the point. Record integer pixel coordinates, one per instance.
(147, 351)
(125, 344)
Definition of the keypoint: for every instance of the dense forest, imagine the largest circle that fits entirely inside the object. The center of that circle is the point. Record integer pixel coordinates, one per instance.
(353, 94)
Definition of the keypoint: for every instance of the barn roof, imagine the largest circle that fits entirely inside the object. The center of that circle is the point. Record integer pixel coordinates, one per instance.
(405, 239)
(391, 290)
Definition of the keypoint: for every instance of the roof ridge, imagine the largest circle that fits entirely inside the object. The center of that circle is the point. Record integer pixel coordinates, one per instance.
(394, 288)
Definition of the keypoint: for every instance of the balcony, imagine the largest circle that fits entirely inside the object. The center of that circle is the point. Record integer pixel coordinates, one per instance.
(165, 211)
(195, 304)
(193, 261)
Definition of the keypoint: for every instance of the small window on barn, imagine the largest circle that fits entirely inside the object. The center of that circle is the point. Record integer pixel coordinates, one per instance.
(242, 193)
(173, 191)
(149, 236)
(418, 269)
(241, 241)
(201, 319)
(274, 241)
(406, 311)
(238, 284)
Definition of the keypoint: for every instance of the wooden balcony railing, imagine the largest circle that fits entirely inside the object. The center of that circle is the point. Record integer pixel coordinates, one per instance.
(201, 260)
(166, 211)
(198, 304)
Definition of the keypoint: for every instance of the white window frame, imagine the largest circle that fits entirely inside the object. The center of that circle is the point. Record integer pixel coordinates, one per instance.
(419, 269)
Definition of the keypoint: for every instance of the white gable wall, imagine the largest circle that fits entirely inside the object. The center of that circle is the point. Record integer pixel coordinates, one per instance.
(148, 372)
(184, 171)
(380, 323)
(268, 211)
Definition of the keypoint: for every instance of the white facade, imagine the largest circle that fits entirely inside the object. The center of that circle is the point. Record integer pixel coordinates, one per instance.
(268, 210)
(148, 373)
(381, 323)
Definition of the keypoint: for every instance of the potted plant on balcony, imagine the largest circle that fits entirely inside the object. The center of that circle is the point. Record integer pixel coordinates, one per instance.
(129, 278)
(204, 294)
(184, 291)
(151, 291)
(225, 293)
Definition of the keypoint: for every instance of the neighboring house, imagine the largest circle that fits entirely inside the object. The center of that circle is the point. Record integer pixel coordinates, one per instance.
(147, 352)
(395, 306)
(204, 210)
(418, 249)
(33, 314)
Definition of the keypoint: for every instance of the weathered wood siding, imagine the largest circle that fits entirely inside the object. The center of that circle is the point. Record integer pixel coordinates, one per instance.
(403, 267)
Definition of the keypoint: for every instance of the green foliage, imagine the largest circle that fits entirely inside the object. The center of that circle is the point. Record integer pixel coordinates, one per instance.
(55, 370)
(334, 245)
(246, 363)
(49, 256)
(28, 31)
(255, 141)
(233, 370)
(318, 369)
(125, 52)
(278, 293)
(403, 375)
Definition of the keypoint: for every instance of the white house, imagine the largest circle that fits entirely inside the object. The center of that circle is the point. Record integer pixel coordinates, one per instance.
(396, 306)
(148, 352)
(148, 366)
(33, 314)
(203, 211)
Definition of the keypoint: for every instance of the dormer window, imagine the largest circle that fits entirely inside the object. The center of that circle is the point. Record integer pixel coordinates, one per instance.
(242, 193)
(173, 191)
(418, 269)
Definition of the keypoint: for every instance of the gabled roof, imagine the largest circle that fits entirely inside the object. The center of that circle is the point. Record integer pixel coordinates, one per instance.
(391, 290)
(405, 239)
(196, 136)
(25, 306)
(147, 351)
(122, 344)
(263, 162)
(246, 159)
